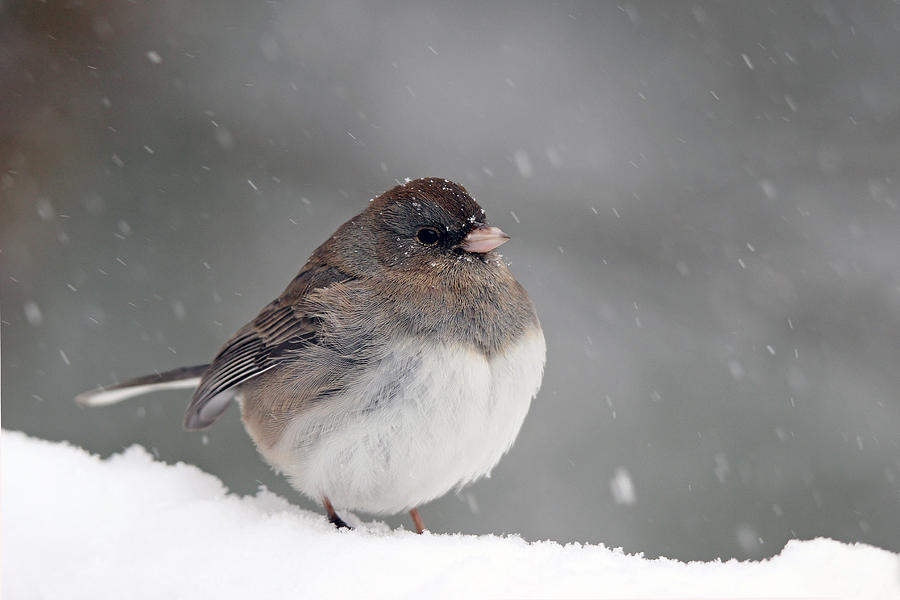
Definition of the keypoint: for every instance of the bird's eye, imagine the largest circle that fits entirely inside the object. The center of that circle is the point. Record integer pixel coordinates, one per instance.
(428, 236)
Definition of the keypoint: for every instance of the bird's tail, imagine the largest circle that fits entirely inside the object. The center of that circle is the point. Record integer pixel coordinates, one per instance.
(181, 378)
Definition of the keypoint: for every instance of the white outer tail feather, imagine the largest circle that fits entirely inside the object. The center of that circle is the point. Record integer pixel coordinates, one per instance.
(103, 397)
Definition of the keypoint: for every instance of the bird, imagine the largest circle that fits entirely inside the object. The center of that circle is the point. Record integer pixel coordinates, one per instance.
(398, 364)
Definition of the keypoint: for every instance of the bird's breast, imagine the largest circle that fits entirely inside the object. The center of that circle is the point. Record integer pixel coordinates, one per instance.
(422, 419)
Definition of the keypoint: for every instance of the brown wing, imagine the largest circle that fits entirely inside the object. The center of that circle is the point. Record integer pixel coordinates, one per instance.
(282, 327)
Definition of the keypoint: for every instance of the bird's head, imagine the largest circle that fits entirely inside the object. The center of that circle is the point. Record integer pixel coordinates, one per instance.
(431, 224)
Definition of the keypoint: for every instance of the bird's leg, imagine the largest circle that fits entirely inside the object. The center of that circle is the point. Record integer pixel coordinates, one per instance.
(333, 517)
(417, 521)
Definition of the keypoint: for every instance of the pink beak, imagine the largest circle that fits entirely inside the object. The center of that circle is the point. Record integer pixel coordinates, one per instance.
(483, 239)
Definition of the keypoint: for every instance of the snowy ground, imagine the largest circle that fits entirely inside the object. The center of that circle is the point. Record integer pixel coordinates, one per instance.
(75, 526)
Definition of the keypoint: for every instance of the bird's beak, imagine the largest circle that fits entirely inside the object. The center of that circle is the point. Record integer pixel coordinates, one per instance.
(483, 239)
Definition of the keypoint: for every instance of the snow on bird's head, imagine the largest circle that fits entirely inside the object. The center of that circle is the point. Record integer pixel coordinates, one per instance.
(450, 197)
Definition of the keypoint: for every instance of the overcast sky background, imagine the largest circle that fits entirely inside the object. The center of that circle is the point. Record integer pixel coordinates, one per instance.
(703, 199)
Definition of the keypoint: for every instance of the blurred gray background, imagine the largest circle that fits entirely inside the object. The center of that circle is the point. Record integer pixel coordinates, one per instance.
(703, 199)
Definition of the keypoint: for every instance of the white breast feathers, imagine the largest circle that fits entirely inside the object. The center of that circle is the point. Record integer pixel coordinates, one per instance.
(428, 418)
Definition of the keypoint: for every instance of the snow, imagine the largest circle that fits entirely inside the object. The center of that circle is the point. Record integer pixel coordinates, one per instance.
(523, 164)
(622, 487)
(76, 526)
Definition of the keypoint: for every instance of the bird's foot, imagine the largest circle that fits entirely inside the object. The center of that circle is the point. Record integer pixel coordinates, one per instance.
(338, 522)
(417, 521)
(333, 517)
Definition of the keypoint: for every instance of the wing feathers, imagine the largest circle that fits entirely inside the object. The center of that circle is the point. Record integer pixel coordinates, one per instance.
(285, 326)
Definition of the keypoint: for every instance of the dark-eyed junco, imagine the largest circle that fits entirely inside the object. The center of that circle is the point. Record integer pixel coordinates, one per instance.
(399, 363)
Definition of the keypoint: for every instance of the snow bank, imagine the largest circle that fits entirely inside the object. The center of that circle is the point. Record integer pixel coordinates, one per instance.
(76, 526)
